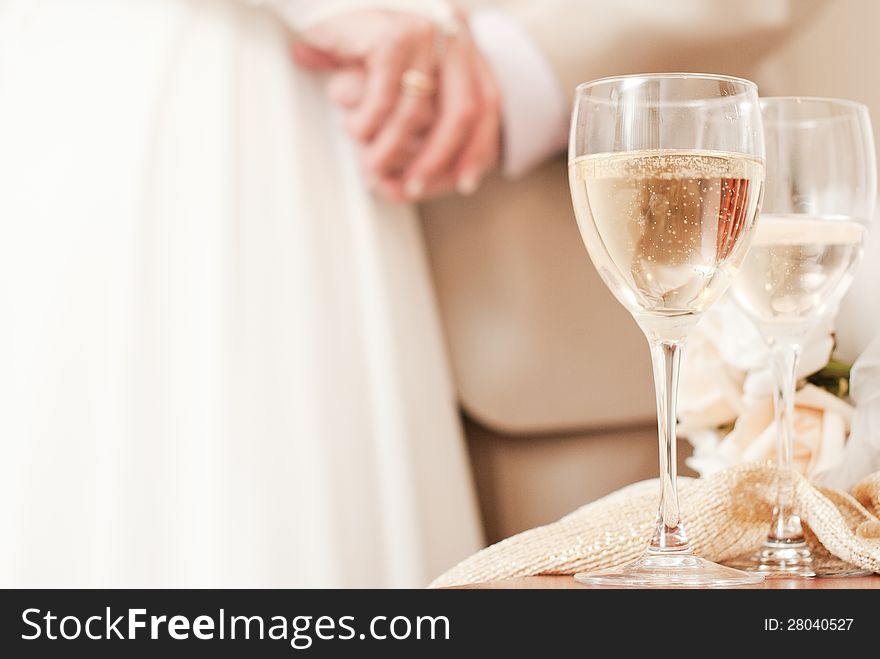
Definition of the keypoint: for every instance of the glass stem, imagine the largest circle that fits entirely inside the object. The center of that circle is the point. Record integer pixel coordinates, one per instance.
(669, 535)
(786, 526)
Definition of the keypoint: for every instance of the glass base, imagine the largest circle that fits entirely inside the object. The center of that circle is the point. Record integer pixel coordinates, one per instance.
(779, 559)
(681, 570)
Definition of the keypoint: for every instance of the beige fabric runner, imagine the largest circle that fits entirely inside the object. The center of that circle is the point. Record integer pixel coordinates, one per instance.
(726, 516)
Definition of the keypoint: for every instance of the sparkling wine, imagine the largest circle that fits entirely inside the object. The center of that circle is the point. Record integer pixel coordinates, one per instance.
(669, 228)
(797, 268)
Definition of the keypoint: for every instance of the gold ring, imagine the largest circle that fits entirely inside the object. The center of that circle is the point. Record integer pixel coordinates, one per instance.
(417, 83)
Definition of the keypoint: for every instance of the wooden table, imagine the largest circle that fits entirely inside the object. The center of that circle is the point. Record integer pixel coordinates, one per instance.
(569, 583)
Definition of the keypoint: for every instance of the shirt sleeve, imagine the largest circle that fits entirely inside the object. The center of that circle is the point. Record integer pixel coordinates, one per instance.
(534, 106)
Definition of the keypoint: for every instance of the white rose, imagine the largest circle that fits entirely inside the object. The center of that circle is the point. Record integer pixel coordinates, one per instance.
(862, 453)
(814, 357)
(710, 392)
(727, 379)
(821, 423)
(713, 369)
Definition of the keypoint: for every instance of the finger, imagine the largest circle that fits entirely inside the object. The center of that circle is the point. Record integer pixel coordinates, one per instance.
(412, 115)
(313, 58)
(482, 150)
(411, 119)
(385, 66)
(381, 89)
(394, 189)
(402, 159)
(457, 111)
(391, 189)
(346, 86)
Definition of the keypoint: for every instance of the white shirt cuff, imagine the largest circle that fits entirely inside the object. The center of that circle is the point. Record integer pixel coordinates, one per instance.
(534, 107)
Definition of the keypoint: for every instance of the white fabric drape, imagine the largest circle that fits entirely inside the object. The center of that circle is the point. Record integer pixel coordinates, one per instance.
(861, 455)
(220, 363)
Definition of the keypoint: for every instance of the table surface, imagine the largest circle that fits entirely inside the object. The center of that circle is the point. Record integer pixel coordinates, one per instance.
(568, 582)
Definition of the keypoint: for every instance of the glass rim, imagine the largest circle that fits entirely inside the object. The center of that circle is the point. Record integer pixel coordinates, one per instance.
(827, 100)
(682, 75)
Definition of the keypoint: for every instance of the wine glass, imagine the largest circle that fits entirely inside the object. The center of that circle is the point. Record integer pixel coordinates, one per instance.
(666, 173)
(820, 194)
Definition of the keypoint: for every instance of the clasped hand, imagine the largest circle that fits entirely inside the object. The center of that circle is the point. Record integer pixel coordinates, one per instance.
(424, 107)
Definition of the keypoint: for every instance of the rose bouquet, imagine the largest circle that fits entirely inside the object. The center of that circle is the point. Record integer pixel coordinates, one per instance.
(726, 402)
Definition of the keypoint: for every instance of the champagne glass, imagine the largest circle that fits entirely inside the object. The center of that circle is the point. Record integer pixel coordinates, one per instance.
(666, 173)
(821, 189)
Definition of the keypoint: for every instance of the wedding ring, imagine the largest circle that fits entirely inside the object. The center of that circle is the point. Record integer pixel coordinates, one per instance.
(417, 83)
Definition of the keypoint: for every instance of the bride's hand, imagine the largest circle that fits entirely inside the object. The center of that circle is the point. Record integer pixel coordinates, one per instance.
(463, 142)
(415, 145)
(373, 49)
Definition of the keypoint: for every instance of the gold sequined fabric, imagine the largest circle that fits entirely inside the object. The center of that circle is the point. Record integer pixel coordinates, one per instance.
(725, 515)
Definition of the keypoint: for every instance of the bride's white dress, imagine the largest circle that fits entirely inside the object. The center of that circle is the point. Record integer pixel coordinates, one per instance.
(220, 362)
